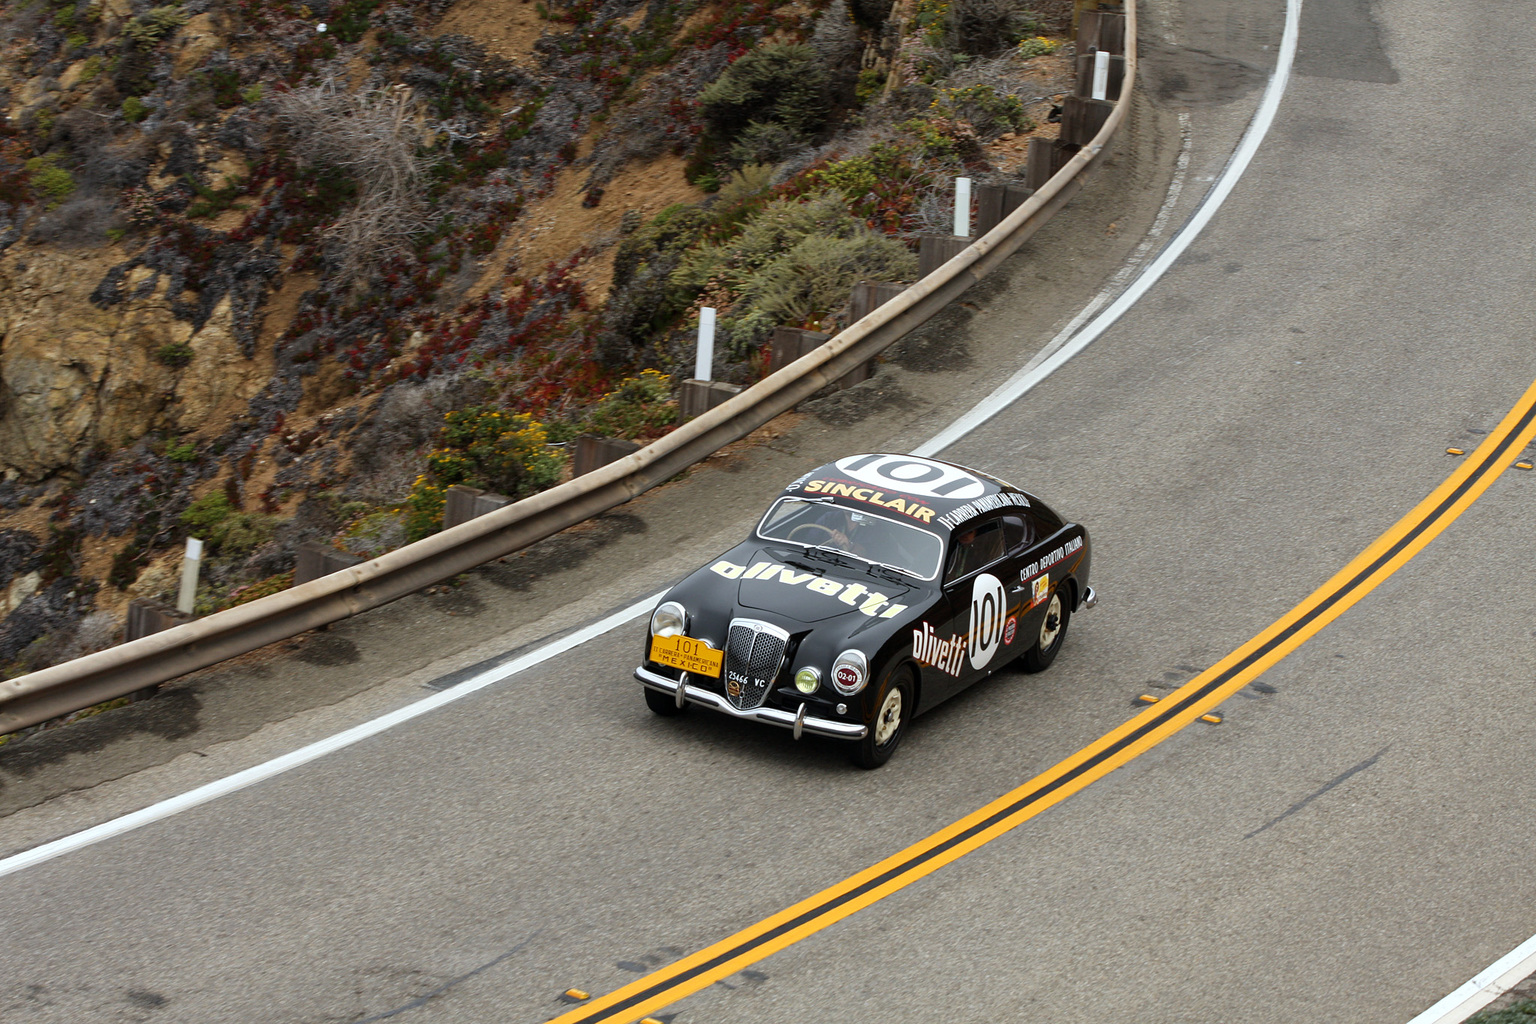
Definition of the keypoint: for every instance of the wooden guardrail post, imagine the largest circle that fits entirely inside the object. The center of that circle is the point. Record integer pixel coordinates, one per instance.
(1081, 120)
(1046, 157)
(994, 202)
(315, 559)
(146, 617)
(699, 396)
(593, 452)
(1101, 30)
(933, 251)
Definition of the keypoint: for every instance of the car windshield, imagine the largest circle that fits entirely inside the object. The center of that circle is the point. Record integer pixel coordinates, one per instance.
(818, 523)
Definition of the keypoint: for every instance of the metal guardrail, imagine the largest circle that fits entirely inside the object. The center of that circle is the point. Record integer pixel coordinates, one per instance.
(72, 685)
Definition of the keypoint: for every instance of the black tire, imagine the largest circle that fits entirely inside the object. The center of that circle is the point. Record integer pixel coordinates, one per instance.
(664, 704)
(1053, 633)
(871, 751)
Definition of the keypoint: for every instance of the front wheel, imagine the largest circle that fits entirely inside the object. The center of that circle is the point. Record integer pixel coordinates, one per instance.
(892, 711)
(1053, 631)
(664, 704)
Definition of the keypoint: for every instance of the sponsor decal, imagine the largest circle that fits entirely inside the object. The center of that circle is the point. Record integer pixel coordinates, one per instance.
(896, 503)
(847, 677)
(989, 607)
(972, 509)
(1041, 590)
(912, 475)
(1046, 561)
(1009, 630)
(988, 633)
(930, 650)
(854, 595)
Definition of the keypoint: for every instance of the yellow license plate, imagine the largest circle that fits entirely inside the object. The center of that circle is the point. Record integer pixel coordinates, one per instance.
(688, 654)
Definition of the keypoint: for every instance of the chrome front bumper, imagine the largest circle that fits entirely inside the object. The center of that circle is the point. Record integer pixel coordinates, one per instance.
(1090, 597)
(773, 716)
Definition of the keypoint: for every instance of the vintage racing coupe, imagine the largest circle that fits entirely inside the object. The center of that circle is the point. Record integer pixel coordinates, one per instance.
(874, 588)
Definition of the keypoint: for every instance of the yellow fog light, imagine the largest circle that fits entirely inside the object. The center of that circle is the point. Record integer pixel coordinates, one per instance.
(808, 680)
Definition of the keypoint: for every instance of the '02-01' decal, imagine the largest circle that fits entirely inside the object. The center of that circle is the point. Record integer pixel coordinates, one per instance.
(988, 632)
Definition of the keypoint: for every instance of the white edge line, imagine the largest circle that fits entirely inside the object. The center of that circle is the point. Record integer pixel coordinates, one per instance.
(258, 773)
(1021, 383)
(1499, 977)
(1026, 379)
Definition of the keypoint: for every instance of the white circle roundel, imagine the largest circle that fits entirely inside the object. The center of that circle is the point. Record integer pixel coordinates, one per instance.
(912, 475)
(989, 610)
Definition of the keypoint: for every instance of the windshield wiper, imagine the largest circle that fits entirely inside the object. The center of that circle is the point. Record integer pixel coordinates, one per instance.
(834, 555)
(895, 571)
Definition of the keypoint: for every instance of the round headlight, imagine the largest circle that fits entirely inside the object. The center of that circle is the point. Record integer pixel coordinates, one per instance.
(669, 619)
(808, 680)
(850, 672)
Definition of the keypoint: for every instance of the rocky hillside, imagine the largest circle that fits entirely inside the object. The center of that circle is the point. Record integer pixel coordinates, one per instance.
(273, 272)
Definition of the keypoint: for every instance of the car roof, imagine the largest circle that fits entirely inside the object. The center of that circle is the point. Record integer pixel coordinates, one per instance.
(942, 496)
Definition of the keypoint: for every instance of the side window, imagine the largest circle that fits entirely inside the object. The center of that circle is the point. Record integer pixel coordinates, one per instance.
(1016, 533)
(971, 548)
(1043, 522)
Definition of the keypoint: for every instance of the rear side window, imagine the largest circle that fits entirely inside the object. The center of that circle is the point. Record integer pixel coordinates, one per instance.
(1016, 533)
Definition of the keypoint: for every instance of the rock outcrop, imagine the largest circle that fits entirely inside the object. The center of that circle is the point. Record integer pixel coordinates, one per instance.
(74, 376)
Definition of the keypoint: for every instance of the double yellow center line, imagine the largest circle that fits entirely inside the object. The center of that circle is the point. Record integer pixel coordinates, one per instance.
(1386, 555)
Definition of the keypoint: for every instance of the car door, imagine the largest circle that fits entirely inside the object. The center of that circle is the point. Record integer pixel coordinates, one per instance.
(967, 640)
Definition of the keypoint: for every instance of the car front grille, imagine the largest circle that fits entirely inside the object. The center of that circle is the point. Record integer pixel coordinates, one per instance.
(754, 653)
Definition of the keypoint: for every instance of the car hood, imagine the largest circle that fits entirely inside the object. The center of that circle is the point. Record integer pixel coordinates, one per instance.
(809, 590)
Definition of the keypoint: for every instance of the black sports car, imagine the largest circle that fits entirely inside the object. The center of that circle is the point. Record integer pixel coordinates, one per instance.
(874, 588)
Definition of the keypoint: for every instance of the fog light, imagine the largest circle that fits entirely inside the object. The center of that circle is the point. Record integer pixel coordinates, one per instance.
(808, 680)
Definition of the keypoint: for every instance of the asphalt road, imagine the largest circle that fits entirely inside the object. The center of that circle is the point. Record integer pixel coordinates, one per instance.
(1348, 845)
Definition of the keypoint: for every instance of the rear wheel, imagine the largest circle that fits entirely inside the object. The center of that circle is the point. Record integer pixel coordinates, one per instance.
(893, 709)
(664, 704)
(1053, 631)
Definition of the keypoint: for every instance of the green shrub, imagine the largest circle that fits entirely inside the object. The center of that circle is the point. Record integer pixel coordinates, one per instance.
(50, 181)
(150, 27)
(227, 530)
(134, 110)
(639, 407)
(90, 70)
(186, 452)
(252, 93)
(980, 106)
(816, 275)
(376, 532)
(261, 588)
(176, 354)
(206, 513)
(1037, 46)
(1523, 1012)
(871, 82)
(771, 99)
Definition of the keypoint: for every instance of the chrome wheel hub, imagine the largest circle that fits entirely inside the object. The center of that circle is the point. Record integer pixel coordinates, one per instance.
(1051, 627)
(889, 719)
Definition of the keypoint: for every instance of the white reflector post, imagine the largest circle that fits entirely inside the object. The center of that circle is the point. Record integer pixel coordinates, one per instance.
(1100, 75)
(190, 564)
(704, 363)
(963, 207)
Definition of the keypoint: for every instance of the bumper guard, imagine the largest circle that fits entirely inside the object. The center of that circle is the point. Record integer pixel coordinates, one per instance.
(800, 722)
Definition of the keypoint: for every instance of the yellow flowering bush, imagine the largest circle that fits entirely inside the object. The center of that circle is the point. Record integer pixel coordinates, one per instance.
(483, 447)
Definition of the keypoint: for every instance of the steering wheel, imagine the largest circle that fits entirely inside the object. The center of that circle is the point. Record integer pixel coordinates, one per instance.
(815, 533)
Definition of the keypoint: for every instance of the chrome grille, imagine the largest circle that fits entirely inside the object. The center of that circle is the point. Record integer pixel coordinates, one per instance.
(754, 653)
